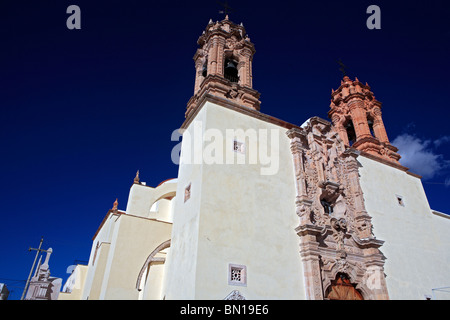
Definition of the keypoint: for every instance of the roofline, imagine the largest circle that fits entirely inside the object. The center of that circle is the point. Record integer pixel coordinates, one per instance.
(441, 214)
(119, 213)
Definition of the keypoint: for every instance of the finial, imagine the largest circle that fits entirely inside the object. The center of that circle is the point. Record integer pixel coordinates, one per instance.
(342, 68)
(47, 257)
(116, 203)
(226, 9)
(241, 24)
(136, 179)
(210, 21)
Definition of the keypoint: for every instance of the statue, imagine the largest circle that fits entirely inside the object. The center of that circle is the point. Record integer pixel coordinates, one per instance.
(42, 286)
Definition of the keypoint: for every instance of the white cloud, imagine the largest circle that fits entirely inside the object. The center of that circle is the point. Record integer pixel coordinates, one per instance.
(418, 155)
(447, 182)
(441, 141)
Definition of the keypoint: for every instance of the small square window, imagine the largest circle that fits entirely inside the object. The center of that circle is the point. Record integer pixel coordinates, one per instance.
(237, 275)
(400, 200)
(187, 193)
(238, 146)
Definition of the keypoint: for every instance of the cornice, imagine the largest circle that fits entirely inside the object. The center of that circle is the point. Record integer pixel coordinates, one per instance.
(231, 105)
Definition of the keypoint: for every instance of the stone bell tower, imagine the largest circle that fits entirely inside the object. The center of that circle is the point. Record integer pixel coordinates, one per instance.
(356, 116)
(223, 64)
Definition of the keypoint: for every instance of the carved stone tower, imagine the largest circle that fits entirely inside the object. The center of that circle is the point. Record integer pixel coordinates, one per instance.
(223, 65)
(356, 116)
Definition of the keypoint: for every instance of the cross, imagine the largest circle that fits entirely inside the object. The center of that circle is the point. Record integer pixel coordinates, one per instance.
(39, 250)
(342, 67)
(226, 8)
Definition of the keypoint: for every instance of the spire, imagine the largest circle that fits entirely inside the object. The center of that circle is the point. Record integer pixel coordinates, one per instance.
(115, 204)
(342, 68)
(136, 179)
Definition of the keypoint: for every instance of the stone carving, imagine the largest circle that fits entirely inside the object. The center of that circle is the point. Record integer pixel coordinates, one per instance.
(234, 295)
(354, 103)
(221, 41)
(136, 178)
(42, 285)
(335, 230)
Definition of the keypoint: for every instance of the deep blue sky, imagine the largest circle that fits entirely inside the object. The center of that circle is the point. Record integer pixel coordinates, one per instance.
(82, 110)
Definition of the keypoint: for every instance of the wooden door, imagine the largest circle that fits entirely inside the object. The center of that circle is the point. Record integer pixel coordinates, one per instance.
(342, 289)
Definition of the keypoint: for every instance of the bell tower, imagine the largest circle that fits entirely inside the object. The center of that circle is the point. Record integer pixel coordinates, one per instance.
(356, 116)
(223, 66)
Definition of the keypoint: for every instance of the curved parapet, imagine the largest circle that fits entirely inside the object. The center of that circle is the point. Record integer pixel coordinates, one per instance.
(142, 197)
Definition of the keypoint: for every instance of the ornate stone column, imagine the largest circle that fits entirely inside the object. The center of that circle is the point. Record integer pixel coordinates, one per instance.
(338, 123)
(199, 62)
(220, 56)
(213, 56)
(302, 202)
(244, 67)
(359, 118)
(311, 266)
(378, 126)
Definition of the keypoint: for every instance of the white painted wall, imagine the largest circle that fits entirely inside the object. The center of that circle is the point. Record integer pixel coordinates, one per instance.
(235, 215)
(139, 200)
(73, 288)
(182, 258)
(125, 240)
(143, 200)
(417, 242)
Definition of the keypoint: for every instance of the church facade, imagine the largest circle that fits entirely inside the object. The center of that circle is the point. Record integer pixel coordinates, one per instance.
(266, 209)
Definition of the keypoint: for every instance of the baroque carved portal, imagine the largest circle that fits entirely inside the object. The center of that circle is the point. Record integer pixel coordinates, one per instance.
(336, 236)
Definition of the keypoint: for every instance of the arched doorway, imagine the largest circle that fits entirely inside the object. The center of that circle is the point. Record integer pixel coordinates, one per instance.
(150, 279)
(343, 289)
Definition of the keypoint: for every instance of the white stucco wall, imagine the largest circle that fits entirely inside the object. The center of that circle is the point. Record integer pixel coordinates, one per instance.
(236, 215)
(138, 203)
(182, 258)
(133, 240)
(148, 202)
(74, 285)
(125, 239)
(97, 258)
(417, 242)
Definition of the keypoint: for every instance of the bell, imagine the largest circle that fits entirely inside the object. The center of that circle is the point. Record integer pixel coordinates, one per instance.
(230, 65)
